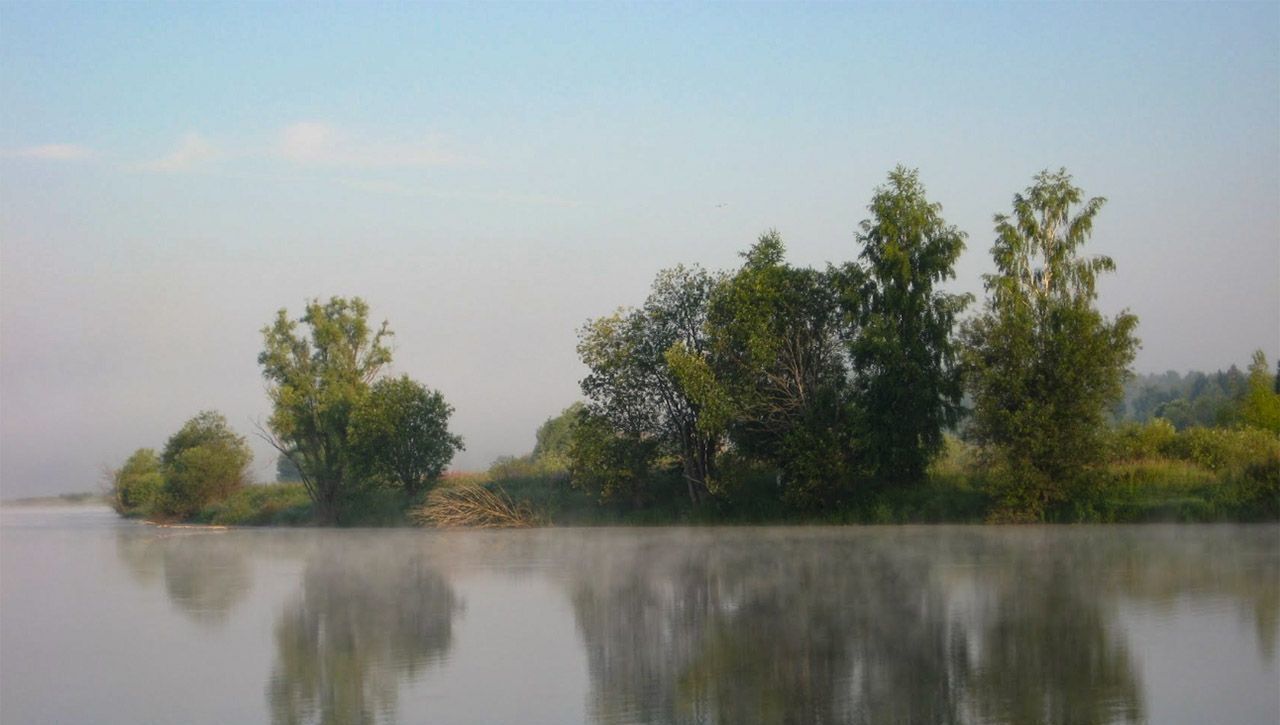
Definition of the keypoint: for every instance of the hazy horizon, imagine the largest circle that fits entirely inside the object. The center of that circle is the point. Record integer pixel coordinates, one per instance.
(489, 177)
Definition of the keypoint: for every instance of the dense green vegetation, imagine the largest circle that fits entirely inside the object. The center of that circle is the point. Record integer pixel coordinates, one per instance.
(354, 449)
(1042, 364)
(344, 431)
(201, 464)
(859, 392)
(1224, 398)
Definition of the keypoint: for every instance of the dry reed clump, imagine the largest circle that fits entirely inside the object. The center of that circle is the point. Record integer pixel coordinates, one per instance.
(473, 506)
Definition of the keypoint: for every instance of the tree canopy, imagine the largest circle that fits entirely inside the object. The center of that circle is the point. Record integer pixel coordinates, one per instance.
(903, 354)
(203, 462)
(631, 384)
(317, 377)
(137, 485)
(1043, 365)
(400, 434)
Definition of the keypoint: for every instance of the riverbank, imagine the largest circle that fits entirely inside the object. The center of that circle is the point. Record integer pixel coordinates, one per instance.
(1150, 473)
(63, 499)
(1132, 492)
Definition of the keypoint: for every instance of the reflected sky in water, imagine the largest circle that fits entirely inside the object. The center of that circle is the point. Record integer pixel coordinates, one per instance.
(114, 622)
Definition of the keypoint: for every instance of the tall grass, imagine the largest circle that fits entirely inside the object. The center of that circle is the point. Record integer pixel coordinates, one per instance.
(473, 505)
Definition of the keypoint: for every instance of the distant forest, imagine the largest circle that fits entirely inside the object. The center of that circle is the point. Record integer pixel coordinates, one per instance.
(1194, 399)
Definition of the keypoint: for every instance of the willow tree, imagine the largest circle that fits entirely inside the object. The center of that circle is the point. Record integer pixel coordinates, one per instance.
(907, 381)
(318, 376)
(1043, 364)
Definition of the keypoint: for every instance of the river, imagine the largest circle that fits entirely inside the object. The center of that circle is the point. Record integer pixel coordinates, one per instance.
(109, 621)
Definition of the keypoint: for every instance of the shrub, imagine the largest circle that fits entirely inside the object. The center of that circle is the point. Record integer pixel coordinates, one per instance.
(136, 486)
(1141, 441)
(202, 463)
(1220, 449)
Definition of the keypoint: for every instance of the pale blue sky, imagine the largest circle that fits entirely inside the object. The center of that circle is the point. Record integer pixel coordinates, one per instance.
(490, 176)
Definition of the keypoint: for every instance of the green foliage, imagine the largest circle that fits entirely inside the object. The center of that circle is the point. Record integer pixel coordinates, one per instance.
(1261, 405)
(1196, 399)
(613, 465)
(554, 437)
(633, 390)
(907, 385)
(512, 467)
(286, 471)
(205, 461)
(1220, 449)
(1142, 441)
(1043, 364)
(279, 504)
(317, 379)
(777, 372)
(136, 486)
(400, 434)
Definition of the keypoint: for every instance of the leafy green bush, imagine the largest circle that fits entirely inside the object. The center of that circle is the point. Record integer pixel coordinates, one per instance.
(136, 486)
(1220, 449)
(202, 463)
(1141, 441)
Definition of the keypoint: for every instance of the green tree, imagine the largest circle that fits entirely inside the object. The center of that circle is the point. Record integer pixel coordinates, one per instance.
(631, 384)
(907, 382)
(776, 371)
(400, 434)
(1043, 364)
(286, 471)
(317, 378)
(554, 437)
(614, 465)
(136, 486)
(1261, 405)
(204, 462)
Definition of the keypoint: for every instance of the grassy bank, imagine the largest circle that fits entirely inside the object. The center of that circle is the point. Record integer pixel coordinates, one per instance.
(1152, 474)
(287, 504)
(1155, 491)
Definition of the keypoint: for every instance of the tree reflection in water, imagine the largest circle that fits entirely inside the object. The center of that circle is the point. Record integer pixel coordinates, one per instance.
(368, 617)
(772, 625)
(205, 573)
(839, 627)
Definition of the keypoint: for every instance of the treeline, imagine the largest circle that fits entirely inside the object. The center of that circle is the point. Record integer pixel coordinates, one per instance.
(1223, 398)
(786, 389)
(846, 378)
(774, 391)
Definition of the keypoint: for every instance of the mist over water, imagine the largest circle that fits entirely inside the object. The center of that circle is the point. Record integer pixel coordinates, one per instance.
(114, 622)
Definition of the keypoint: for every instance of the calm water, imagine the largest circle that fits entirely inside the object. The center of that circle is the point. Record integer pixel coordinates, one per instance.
(103, 621)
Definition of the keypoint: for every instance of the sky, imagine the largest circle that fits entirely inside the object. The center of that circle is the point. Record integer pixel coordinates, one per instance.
(488, 177)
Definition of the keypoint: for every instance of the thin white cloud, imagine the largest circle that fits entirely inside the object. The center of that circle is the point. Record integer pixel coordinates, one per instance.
(192, 150)
(395, 189)
(321, 144)
(52, 152)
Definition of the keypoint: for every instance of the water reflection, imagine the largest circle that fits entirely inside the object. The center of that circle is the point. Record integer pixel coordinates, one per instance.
(205, 574)
(891, 625)
(806, 625)
(368, 617)
(1048, 651)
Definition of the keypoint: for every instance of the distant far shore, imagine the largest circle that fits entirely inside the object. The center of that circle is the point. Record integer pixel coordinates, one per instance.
(62, 499)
